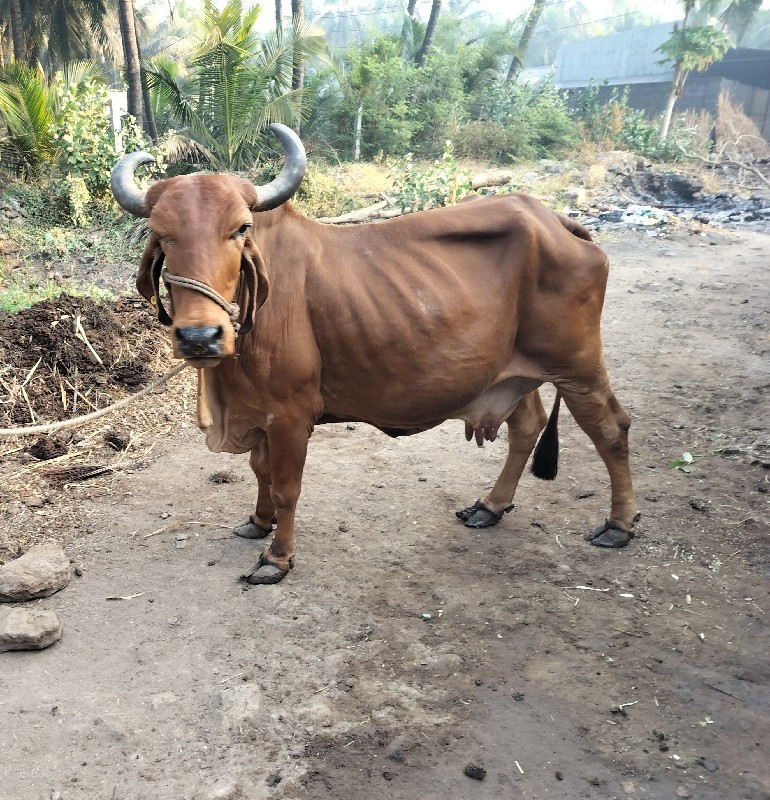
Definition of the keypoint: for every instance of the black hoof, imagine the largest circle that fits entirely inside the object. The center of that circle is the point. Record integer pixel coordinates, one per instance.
(264, 573)
(479, 516)
(609, 535)
(250, 530)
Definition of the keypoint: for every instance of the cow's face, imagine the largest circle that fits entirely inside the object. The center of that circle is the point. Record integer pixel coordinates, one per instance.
(200, 247)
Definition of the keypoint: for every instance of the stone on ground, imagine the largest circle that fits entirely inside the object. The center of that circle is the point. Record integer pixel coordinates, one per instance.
(43, 570)
(28, 629)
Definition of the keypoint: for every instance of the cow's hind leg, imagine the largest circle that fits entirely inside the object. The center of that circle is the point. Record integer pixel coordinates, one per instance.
(598, 412)
(260, 523)
(524, 426)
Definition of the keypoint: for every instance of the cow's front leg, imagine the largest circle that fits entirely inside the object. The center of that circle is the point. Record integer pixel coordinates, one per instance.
(260, 523)
(288, 449)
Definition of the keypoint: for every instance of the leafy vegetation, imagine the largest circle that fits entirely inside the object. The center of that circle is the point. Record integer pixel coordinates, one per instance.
(442, 184)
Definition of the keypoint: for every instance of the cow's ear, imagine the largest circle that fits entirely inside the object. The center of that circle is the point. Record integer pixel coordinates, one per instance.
(248, 192)
(153, 195)
(148, 277)
(144, 282)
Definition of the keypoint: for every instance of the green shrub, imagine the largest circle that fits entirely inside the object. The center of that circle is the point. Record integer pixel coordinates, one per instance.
(615, 124)
(520, 122)
(440, 185)
(83, 137)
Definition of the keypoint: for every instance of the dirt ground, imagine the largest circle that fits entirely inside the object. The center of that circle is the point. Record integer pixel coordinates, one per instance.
(404, 647)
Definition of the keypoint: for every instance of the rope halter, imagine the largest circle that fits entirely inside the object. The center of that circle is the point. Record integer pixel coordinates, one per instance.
(232, 309)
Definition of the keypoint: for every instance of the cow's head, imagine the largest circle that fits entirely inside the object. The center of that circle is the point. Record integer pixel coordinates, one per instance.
(201, 247)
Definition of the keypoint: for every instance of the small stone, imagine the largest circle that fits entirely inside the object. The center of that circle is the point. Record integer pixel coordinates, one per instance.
(682, 792)
(273, 779)
(34, 501)
(707, 763)
(628, 787)
(42, 571)
(343, 527)
(559, 775)
(475, 771)
(518, 696)
(28, 629)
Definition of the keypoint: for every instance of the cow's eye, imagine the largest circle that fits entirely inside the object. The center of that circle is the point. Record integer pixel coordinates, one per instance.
(241, 231)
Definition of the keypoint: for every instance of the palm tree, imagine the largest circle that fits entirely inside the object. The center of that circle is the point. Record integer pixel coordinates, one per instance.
(26, 108)
(278, 16)
(526, 37)
(430, 31)
(16, 36)
(298, 63)
(64, 30)
(131, 56)
(696, 46)
(236, 84)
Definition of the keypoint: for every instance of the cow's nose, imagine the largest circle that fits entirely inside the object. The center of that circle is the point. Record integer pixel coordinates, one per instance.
(199, 342)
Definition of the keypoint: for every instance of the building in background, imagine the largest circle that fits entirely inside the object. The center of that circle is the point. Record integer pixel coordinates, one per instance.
(629, 59)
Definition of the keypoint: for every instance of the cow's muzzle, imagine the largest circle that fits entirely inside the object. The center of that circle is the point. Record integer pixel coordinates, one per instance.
(201, 342)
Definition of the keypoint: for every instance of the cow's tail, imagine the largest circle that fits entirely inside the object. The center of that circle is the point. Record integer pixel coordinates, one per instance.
(545, 459)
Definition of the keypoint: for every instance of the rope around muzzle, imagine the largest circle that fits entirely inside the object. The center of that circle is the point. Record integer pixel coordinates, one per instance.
(102, 412)
(232, 309)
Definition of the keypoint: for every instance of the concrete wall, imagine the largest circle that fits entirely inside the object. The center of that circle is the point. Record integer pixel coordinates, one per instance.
(700, 94)
(627, 57)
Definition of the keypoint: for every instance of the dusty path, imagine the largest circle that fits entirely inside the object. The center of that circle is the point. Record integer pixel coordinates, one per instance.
(333, 685)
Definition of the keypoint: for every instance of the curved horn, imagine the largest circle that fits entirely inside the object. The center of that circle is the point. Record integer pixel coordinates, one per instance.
(279, 190)
(124, 187)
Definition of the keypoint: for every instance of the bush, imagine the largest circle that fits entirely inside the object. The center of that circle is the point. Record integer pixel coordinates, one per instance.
(517, 122)
(615, 124)
(83, 137)
(439, 185)
(489, 140)
(320, 195)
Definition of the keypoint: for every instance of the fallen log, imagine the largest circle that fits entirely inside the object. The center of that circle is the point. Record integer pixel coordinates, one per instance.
(495, 177)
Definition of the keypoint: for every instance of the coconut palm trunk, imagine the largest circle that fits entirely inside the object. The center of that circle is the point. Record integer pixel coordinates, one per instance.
(278, 17)
(298, 65)
(16, 32)
(430, 30)
(517, 62)
(131, 52)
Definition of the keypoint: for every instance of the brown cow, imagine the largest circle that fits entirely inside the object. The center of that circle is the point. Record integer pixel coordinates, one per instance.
(452, 313)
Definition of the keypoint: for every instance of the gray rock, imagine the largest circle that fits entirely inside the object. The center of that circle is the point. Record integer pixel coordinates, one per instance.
(28, 629)
(576, 195)
(43, 570)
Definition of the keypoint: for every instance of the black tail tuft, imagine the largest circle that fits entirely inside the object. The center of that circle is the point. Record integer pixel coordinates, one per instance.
(545, 459)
